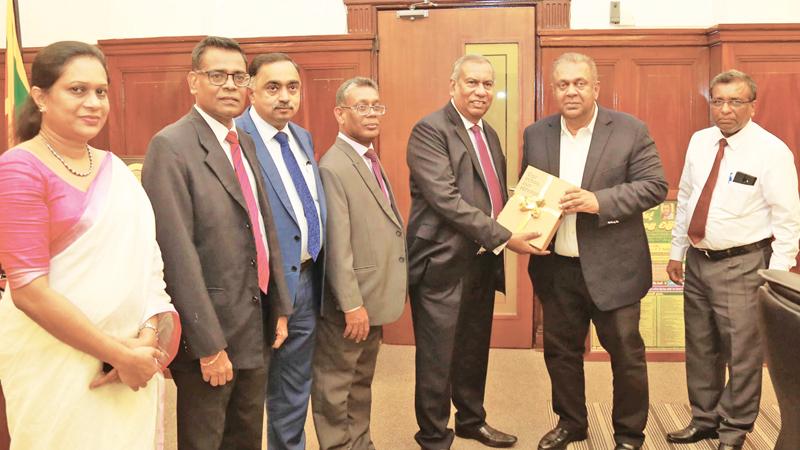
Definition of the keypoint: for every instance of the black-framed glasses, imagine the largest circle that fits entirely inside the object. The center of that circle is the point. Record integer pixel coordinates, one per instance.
(364, 110)
(735, 103)
(220, 77)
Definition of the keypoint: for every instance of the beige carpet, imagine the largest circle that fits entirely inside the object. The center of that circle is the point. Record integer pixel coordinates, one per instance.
(517, 398)
(666, 417)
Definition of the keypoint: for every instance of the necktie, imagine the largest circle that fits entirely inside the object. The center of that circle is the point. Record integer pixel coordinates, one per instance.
(492, 183)
(252, 210)
(376, 170)
(299, 181)
(697, 226)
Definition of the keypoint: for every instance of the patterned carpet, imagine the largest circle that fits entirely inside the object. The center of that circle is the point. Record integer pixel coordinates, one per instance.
(666, 417)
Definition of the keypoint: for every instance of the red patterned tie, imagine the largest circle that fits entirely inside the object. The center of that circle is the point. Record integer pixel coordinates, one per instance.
(376, 170)
(697, 226)
(252, 210)
(492, 183)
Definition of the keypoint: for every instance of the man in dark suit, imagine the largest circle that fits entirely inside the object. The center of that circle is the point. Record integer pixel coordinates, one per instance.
(222, 262)
(600, 265)
(295, 193)
(367, 277)
(458, 188)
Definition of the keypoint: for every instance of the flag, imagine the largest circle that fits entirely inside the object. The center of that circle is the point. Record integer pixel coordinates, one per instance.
(16, 81)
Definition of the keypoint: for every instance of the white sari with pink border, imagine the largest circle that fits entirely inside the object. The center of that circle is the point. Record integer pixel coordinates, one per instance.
(112, 270)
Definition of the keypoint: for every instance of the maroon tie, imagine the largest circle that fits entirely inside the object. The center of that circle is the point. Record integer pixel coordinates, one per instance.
(492, 184)
(697, 226)
(252, 210)
(376, 170)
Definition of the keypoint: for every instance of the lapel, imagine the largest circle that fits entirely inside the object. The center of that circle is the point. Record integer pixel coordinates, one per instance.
(272, 176)
(216, 159)
(308, 148)
(370, 181)
(603, 128)
(553, 146)
(461, 132)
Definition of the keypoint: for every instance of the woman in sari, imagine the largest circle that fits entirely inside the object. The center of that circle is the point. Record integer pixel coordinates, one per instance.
(85, 282)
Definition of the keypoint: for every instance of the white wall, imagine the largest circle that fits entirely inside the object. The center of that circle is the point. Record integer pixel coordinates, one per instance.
(45, 21)
(590, 14)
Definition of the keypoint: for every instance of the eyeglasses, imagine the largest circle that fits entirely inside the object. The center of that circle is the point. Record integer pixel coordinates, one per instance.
(219, 77)
(735, 103)
(364, 110)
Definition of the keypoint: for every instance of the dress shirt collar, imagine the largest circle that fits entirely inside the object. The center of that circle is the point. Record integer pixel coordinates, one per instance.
(266, 129)
(359, 148)
(468, 124)
(220, 131)
(736, 140)
(589, 126)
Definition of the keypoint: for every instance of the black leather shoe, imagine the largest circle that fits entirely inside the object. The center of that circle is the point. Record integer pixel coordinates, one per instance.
(691, 434)
(729, 447)
(487, 436)
(558, 438)
(624, 446)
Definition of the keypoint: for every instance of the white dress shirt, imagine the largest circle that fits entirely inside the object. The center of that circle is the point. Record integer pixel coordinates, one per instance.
(267, 133)
(221, 132)
(572, 160)
(468, 125)
(741, 214)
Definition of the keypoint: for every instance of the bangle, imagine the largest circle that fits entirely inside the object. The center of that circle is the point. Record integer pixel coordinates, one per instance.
(150, 326)
(212, 361)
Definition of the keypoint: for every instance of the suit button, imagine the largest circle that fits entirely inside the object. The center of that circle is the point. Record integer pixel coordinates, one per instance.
(402, 259)
(252, 262)
(294, 268)
(254, 299)
(297, 238)
(398, 233)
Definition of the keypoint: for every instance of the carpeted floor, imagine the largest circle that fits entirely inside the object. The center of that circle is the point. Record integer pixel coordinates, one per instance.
(517, 400)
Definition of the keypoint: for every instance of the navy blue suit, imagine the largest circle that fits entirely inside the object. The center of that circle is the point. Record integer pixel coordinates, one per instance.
(289, 383)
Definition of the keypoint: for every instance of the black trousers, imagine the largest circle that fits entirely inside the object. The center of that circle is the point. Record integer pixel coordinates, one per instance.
(452, 327)
(568, 310)
(228, 417)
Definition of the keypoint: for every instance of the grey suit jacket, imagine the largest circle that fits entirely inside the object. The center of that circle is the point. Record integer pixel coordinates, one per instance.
(366, 256)
(209, 252)
(624, 171)
(451, 212)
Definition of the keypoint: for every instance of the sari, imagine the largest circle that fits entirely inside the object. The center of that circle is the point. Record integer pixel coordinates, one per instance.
(108, 265)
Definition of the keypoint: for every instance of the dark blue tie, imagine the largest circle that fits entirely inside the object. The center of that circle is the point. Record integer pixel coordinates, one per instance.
(309, 207)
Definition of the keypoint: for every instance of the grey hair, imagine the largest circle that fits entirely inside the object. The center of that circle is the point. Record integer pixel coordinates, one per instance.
(576, 58)
(729, 76)
(468, 58)
(351, 83)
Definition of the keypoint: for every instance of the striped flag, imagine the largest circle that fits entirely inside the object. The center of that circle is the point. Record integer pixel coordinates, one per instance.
(16, 81)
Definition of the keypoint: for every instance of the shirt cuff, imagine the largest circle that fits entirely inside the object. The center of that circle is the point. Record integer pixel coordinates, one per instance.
(678, 253)
(354, 309)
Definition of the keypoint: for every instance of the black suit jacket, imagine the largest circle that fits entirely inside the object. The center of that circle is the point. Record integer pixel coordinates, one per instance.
(624, 171)
(451, 212)
(203, 229)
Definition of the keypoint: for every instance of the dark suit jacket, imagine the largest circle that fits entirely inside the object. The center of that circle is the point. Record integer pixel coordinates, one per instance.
(366, 248)
(203, 229)
(624, 171)
(451, 210)
(285, 221)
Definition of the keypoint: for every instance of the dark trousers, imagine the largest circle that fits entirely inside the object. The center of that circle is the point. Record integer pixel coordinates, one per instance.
(342, 389)
(721, 313)
(452, 327)
(289, 386)
(568, 310)
(228, 417)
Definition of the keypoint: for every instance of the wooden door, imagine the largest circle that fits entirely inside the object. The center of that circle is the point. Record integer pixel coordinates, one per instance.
(414, 64)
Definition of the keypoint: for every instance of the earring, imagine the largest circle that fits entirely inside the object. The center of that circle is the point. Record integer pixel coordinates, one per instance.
(41, 109)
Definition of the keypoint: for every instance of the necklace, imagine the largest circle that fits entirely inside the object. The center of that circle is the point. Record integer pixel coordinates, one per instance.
(71, 170)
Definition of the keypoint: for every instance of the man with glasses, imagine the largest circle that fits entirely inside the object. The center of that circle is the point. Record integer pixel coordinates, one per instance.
(222, 261)
(458, 188)
(295, 193)
(366, 278)
(738, 212)
(599, 268)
